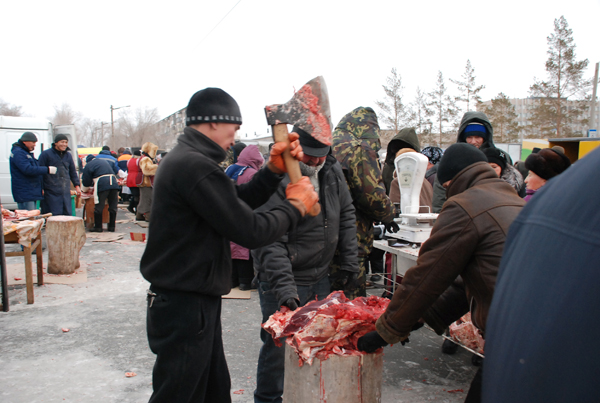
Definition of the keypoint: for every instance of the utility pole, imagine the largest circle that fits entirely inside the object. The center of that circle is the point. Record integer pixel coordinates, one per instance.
(112, 123)
(593, 122)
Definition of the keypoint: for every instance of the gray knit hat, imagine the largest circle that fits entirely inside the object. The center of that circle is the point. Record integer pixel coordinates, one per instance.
(28, 136)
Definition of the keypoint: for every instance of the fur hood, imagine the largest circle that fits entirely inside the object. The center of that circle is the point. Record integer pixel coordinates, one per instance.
(150, 149)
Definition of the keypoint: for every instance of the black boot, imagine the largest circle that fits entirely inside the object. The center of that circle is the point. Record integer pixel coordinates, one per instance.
(97, 223)
(112, 222)
(449, 347)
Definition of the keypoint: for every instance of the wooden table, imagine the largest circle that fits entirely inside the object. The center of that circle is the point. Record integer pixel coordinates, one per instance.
(36, 245)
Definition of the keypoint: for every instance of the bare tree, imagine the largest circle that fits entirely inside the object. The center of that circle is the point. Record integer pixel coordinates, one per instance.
(90, 133)
(444, 109)
(65, 115)
(467, 87)
(136, 128)
(7, 109)
(393, 111)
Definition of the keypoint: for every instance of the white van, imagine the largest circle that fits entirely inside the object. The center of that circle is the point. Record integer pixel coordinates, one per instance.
(11, 130)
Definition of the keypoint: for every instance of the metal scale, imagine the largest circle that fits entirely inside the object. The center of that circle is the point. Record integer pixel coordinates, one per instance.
(415, 227)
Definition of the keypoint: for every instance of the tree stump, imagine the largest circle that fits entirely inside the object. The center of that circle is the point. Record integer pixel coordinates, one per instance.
(65, 237)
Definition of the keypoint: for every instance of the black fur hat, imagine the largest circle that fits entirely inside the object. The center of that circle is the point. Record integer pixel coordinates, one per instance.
(456, 158)
(547, 163)
(212, 105)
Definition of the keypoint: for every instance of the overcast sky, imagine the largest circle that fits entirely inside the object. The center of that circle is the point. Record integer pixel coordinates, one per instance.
(157, 54)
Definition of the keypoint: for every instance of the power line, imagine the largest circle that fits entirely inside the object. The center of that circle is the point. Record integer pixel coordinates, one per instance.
(215, 27)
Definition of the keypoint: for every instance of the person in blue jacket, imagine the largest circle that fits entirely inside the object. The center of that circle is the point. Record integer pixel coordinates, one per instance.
(100, 174)
(26, 173)
(57, 188)
(541, 344)
(105, 154)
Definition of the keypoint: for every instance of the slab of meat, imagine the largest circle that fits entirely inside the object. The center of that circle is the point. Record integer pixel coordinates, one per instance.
(466, 333)
(330, 326)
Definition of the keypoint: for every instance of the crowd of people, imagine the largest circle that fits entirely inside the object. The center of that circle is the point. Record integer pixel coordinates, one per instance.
(226, 216)
(48, 183)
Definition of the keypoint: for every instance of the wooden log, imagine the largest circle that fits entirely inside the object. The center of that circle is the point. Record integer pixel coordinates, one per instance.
(338, 379)
(65, 237)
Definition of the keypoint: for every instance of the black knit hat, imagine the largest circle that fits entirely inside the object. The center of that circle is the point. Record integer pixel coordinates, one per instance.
(212, 105)
(60, 137)
(89, 158)
(547, 163)
(456, 158)
(28, 136)
(496, 156)
(106, 148)
(311, 146)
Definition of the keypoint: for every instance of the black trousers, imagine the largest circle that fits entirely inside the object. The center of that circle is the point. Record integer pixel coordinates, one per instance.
(112, 196)
(184, 331)
(474, 395)
(242, 271)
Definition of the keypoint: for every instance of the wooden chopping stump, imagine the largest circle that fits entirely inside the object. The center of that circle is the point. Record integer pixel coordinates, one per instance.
(338, 379)
(65, 237)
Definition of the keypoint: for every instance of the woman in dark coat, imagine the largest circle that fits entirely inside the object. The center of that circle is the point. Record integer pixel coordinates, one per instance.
(57, 188)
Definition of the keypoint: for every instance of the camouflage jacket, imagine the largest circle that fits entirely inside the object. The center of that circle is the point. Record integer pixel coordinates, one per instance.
(355, 146)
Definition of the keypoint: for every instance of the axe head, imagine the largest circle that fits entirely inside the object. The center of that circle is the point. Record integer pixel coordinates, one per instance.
(308, 109)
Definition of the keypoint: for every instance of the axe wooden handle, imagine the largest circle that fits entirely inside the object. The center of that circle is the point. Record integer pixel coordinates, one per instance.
(280, 134)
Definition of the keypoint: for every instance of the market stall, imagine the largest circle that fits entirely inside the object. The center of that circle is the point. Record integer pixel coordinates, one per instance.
(24, 228)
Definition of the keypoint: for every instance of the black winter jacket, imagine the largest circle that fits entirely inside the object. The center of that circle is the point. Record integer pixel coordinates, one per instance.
(197, 210)
(97, 168)
(302, 256)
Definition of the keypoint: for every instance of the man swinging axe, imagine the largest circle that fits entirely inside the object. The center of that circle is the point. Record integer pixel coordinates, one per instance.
(196, 211)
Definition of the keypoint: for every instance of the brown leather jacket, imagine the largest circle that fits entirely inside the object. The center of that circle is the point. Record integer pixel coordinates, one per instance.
(467, 240)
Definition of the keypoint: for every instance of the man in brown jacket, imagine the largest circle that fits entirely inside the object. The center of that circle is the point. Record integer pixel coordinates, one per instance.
(467, 240)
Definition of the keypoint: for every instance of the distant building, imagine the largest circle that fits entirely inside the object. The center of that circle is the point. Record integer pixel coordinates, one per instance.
(172, 126)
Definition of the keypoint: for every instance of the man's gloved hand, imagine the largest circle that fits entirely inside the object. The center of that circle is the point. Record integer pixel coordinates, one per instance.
(52, 170)
(350, 280)
(371, 342)
(302, 195)
(417, 325)
(276, 163)
(392, 226)
(291, 303)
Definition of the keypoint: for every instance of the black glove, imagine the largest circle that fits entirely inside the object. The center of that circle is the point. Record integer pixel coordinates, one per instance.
(392, 226)
(371, 342)
(291, 303)
(417, 326)
(350, 280)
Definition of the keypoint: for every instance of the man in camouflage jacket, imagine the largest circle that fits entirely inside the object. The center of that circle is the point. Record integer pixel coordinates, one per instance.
(355, 145)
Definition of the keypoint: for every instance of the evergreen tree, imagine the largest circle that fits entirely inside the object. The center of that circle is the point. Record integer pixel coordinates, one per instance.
(443, 107)
(551, 114)
(469, 91)
(504, 118)
(393, 111)
(420, 117)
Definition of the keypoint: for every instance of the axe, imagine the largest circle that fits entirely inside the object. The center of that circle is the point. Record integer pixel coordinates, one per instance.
(309, 110)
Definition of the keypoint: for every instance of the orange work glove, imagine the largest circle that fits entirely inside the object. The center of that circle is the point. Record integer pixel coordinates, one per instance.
(276, 163)
(302, 195)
